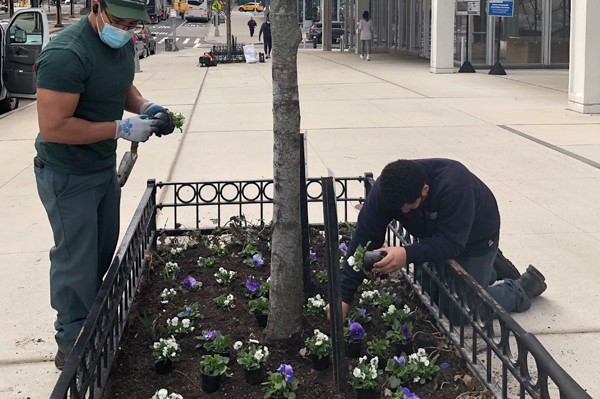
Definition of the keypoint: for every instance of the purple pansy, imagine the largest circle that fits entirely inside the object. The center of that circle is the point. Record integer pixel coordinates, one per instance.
(190, 282)
(287, 372)
(210, 335)
(400, 360)
(405, 330)
(408, 394)
(187, 310)
(252, 285)
(444, 365)
(344, 248)
(258, 260)
(313, 256)
(394, 296)
(362, 312)
(357, 332)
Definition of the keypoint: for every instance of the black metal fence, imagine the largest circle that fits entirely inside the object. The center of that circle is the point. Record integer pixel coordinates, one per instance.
(501, 356)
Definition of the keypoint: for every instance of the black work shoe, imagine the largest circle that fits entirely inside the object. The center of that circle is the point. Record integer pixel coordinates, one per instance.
(60, 359)
(505, 268)
(533, 282)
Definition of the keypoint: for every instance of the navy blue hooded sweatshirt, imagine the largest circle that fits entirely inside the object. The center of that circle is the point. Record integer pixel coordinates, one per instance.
(459, 217)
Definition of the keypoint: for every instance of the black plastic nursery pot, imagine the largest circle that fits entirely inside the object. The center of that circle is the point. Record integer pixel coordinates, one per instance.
(262, 319)
(319, 363)
(353, 349)
(210, 383)
(254, 377)
(163, 367)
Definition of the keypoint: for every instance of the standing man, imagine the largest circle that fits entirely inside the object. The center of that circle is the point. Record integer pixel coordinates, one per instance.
(452, 213)
(251, 26)
(265, 30)
(84, 82)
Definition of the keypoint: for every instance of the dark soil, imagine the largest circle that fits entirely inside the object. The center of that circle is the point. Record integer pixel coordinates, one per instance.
(133, 374)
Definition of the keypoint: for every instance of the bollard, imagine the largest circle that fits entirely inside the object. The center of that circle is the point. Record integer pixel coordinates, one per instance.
(136, 61)
(341, 42)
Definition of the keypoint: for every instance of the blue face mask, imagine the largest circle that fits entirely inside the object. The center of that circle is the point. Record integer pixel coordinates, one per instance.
(113, 37)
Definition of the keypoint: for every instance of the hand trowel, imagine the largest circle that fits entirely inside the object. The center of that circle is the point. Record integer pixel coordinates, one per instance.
(126, 165)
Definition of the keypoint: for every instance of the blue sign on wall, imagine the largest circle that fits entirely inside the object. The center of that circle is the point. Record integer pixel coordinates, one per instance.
(500, 8)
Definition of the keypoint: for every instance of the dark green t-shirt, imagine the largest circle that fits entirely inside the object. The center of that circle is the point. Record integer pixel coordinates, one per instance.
(77, 61)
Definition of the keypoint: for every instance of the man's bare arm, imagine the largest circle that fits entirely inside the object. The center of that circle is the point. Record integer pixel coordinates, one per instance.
(134, 100)
(58, 125)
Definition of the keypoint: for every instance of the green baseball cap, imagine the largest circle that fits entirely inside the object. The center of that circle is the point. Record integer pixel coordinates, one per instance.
(128, 9)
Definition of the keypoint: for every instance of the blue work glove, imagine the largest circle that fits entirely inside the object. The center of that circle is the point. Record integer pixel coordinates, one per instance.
(152, 110)
(137, 128)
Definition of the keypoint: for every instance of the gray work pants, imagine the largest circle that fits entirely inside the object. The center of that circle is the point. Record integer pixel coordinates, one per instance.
(508, 293)
(84, 215)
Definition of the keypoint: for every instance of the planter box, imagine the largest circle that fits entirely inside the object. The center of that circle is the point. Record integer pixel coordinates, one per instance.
(195, 203)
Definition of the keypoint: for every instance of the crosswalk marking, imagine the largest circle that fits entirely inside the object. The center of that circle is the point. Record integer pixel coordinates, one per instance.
(184, 41)
(187, 39)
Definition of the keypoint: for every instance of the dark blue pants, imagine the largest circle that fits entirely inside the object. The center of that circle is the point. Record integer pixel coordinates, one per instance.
(84, 215)
(268, 45)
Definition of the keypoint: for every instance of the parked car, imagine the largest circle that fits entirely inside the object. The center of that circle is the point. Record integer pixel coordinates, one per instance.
(252, 6)
(316, 31)
(21, 42)
(145, 35)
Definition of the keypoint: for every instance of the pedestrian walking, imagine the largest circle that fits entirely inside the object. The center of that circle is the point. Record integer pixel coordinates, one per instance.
(251, 26)
(365, 31)
(265, 31)
(84, 83)
(454, 215)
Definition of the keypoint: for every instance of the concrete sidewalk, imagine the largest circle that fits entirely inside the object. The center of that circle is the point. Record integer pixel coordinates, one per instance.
(359, 116)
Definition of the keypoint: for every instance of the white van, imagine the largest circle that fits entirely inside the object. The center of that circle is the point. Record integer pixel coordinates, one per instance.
(21, 42)
(199, 10)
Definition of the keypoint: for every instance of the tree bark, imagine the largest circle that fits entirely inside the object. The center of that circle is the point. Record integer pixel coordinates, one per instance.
(286, 295)
(228, 23)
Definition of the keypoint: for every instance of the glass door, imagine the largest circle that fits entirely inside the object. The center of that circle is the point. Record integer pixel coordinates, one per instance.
(521, 35)
(560, 31)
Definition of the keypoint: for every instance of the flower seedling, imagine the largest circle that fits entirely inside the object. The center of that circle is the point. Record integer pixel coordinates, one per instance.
(179, 327)
(252, 358)
(354, 331)
(316, 305)
(214, 341)
(312, 257)
(365, 285)
(214, 364)
(225, 301)
(359, 314)
(191, 284)
(356, 260)
(170, 270)
(369, 298)
(252, 287)
(256, 260)
(249, 251)
(366, 375)
(206, 262)
(167, 295)
(281, 383)
(164, 394)
(218, 250)
(387, 298)
(318, 345)
(395, 315)
(424, 366)
(175, 253)
(224, 277)
(259, 306)
(191, 312)
(178, 120)
(400, 371)
(165, 350)
(404, 393)
(400, 333)
(378, 347)
(322, 276)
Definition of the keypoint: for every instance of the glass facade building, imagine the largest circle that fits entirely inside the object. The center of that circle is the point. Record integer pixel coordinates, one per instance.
(537, 35)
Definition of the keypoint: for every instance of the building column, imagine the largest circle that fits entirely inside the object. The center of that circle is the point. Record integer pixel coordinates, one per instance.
(442, 36)
(584, 89)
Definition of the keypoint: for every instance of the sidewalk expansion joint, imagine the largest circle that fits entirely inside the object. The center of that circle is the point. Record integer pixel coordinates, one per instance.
(552, 147)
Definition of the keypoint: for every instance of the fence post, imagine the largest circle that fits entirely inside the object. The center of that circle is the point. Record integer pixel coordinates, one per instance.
(304, 219)
(334, 289)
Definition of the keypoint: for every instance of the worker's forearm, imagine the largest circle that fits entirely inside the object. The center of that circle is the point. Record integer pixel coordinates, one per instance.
(78, 131)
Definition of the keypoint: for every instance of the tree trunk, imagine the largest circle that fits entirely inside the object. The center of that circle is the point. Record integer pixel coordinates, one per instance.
(228, 23)
(286, 295)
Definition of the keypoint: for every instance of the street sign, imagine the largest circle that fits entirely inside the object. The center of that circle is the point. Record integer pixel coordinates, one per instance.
(500, 8)
(173, 13)
(468, 7)
(217, 6)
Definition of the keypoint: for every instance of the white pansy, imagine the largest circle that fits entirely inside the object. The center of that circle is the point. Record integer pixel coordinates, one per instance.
(237, 345)
(357, 372)
(319, 343)
(374, 362)
(351, 260)
(258, 355)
